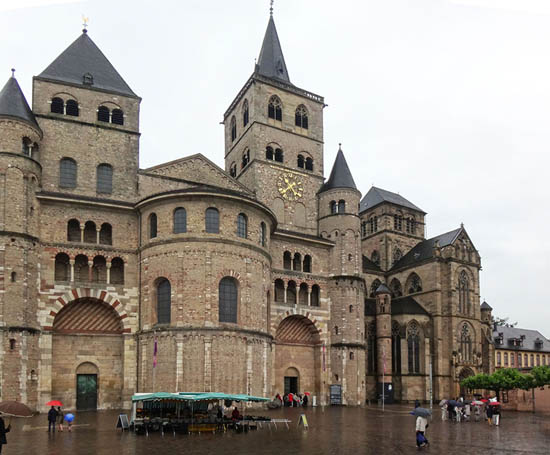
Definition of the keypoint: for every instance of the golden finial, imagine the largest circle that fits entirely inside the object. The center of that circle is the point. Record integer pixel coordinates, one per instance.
(85, 21)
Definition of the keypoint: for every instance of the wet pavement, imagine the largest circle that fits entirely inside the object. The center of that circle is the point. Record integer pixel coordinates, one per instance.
(332, 430)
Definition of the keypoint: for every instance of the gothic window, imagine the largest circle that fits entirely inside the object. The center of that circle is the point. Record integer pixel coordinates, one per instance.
(246, 159)
(396, 256)
(302, 294)
(104, 177)
(371, 348)
(67, 173)
(375, 257)
(279, 291)
(233, 170)
(242, 226)
(62, 267)
(117, 271)
(398, 222)
(315, 295)
(373, 287)
(463, 293)
(274, 108)
(263, 234)
(164, 301)
(413, 347)
(396, 348)
(99, 270)
(106, 234)
(465, 342)
(287, 260)
(152, 225)
(291, 292)
(269, 153)
(57, 106)
(117, 117)
(309, 164)
(395, 288)
(333, 207)
(245, 113)
(90, 232)
(180, 220)
(341, 206)
(228, 300)
(212, 220)
(71, 108)
(233, 128)
(73, 231)
(301, 117)
(307, 263)
(103, 114)
(279, 155)
(297, 262)
(414, 284)
(301, 161)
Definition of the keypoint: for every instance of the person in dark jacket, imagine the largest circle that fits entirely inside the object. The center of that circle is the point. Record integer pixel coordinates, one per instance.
(52, 418)
(3, 431)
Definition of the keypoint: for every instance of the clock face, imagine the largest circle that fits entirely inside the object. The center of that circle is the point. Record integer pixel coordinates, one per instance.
(290, 187)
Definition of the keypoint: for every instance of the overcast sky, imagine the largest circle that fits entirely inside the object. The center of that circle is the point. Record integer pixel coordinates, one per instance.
(445, 101)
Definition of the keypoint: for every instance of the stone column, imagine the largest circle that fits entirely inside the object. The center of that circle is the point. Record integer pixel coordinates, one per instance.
(97, 229)
(82, 233)
(308, 296)
(71, 262)
(108, 265)
(90, 270)
(286, 285)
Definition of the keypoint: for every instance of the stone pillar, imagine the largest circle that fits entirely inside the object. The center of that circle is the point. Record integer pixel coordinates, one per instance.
(108, 265)
(129, 370)
(308, 296)
(71, 262)
(383, 343)
(82, 233)
(286, 286)
(97, 229)
(90, 270)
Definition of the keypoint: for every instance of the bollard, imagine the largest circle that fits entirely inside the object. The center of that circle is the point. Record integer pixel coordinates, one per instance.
(314, 401)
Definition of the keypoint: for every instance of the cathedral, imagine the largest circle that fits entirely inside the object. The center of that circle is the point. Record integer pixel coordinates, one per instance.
(260, 277)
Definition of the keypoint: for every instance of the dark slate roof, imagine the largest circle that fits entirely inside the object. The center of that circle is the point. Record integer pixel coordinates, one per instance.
(382, 289)
(424, 250)
(377, 196)
(271, 62)
(13, 103)
(369, 265)
(81, 57)
(486, 306)
(340, 176)
(528, 342)
(407, 305)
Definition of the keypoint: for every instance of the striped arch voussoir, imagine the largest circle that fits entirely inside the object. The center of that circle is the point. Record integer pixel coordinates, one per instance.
(297, 312)
(78, 293)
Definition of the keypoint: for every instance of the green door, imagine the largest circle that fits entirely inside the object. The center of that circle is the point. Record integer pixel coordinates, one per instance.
(86, 392)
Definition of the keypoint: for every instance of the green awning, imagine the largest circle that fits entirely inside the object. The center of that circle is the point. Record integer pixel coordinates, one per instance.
(196, 396)
(157, 396)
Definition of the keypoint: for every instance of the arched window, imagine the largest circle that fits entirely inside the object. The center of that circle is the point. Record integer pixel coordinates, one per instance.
(233, 126)
(465, 342)
(164, 301)
(67, 173)
(152, 225)
(297, 262)
(73, 231)
(81, 268)
(395, 288)
(373, 287)
(71, 108)
(398, 222)
(106, 234)
(274, 108)
(301, 161)
(117, 117)
(410, 225)
(414, 284)
(302, 294)
(333, 207)
(396, 348)
(269, 153)
(228, 300)
(263, 234)
(309, 164)
(104, 178)
(246, 158)
(180, 220)
(233, 170)
(99, 270)
(291, 292)
(373, 224)
(212, 221)
(307, 263)
(287, 260)
(279, 291)
(463, 293)
(26, 146)
(315, 295)
(117, 271)
(341, 206)
(57, 106)
(300, 118)
(245, 113)
(242, 226)
(279, 155)
(375, 257)
(90, 232)
(62, 267)
(396, 256)
(103, 114)
(413, 347)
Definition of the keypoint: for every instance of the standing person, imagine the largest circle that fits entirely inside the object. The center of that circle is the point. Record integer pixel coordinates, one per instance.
(477, 413)
(489, 413)
(496, 414)
(305, 400)
(421, 425)
(3, 431)
(444, 411)
(60, 417)
(52, 418)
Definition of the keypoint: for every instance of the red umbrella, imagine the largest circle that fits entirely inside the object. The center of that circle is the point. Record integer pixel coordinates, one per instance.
(54, 403)
(484, 400)
(307, 393)
(494, 403)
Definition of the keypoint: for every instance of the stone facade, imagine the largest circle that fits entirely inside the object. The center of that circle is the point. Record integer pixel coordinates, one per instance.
(255, 279)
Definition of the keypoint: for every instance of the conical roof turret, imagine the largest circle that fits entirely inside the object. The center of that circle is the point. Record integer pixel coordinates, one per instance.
(340, 176)
(13, 103)
(271, 62)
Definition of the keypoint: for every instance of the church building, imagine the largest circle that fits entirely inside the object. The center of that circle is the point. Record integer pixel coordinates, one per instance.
(260, 277)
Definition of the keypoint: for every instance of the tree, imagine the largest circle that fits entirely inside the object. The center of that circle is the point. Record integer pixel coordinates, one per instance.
(503, 322)
(502, 379)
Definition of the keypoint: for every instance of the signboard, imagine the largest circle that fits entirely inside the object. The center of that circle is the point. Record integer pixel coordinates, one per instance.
(303, 421)
(335, 394)
(122, 422)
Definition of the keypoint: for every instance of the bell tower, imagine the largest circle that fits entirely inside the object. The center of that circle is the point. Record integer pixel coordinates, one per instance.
(274, 139)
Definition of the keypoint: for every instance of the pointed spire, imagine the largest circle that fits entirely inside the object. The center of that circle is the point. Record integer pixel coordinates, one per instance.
(340, 176)
(14, 104)
(271, 62)
(83, 64)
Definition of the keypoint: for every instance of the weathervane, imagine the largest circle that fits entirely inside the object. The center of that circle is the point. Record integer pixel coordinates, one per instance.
(85, 21)
(271, 9)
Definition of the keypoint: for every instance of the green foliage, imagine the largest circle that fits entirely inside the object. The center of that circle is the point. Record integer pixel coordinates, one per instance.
(503, 322)
(508, 379)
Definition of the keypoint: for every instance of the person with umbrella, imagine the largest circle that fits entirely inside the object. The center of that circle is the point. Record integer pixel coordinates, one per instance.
(52, 419)
(422, 415)
(495, 406)
(3, 431)
(12, 409)
(60, 417)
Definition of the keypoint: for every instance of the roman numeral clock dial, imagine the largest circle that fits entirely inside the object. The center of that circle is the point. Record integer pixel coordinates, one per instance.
(290, 186)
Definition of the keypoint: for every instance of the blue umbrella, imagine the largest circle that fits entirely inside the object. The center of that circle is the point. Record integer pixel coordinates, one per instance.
(422, 412)
(69, 417)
